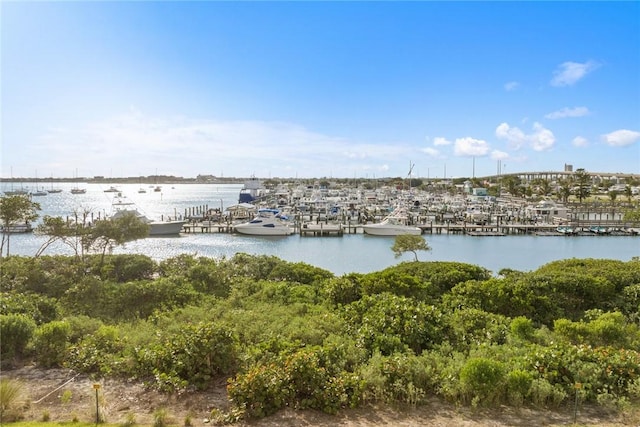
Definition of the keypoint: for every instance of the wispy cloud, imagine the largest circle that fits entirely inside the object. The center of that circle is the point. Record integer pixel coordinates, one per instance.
(499, 155)
(621, 138)
(431, 152)
(186, 147)
(510, 86)
(568, 112)
(580, 141)
(540, 139)
(569, 73)
(441, 141)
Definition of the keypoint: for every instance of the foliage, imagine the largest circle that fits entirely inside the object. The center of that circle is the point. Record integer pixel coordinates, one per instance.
(304, 379)
(409, 243)
(16, 331)
(195, 356)
(291, 335)
(482, 380)
(15, 210)
(387, 323)
(51, 342)
(12, 403)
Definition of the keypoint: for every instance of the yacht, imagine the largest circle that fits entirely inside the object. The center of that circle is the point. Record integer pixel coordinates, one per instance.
(394, 224)
(121, 206)
(267, 222)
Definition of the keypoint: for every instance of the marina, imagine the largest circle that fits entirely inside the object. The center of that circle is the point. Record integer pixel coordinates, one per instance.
(336, 244)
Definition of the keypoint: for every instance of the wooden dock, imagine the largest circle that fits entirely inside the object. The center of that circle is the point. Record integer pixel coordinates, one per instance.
(337, 229)
(321, 229)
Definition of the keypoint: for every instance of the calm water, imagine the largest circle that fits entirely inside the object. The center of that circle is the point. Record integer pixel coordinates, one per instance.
(340, 255)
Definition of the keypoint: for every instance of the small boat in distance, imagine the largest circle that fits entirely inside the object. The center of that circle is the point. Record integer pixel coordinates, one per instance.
(76, 190)
(267, 222)
(394, 224)
(111, 189)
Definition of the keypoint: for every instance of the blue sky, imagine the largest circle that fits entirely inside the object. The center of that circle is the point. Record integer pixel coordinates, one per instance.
(318, 89)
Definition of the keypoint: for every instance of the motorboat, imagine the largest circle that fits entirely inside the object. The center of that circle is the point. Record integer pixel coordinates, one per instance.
(267, 222)
(394, 224)
(122, 206)
(111, 189)
(77, 190)
(251, 191)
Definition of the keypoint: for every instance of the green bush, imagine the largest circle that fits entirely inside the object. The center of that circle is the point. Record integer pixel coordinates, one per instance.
(518, 385)
(51, 342)
(195, 356)
(101, 352)
(482, 380)
(300, 380)
(399, 378)
(16, 331)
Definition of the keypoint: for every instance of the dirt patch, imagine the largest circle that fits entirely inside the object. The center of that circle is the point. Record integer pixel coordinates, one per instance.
(63, 395)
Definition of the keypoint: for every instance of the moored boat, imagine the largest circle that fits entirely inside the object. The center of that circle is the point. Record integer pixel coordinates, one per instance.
(122, 206)
(394, 224)
(267, 222)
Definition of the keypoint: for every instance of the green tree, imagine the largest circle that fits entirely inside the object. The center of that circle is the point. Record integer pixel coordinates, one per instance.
(109, 233)
(628, 192)
(564, 190)
(15, 210)
(583, 184)
(409, 243)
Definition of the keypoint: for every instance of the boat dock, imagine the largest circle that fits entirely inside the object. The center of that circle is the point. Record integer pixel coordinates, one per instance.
(337, 229)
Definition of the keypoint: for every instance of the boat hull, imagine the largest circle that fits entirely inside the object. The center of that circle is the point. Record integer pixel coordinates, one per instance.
(165, 228)
(264, 230)
(390, 230)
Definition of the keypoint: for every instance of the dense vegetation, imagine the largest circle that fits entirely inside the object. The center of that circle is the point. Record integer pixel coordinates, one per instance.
(293, 335)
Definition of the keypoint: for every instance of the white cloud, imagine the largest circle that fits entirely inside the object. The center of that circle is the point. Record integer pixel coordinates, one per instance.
(513, 135)
(511, 86)
(568, 73)
(541, 139)
(470, 147)
(580, 141)
(441, 141)
(568, 112)
(621, 138)
(499, 155)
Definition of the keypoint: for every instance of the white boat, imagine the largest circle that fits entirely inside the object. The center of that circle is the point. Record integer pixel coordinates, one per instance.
(121, 206)
(394, 224)
(111, 189)
(76, 190)
(251, 191)
(267, 222)
(39, 193)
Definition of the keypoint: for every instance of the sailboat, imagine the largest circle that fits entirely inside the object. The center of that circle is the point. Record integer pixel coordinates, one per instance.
(38, 191)
(76, 189)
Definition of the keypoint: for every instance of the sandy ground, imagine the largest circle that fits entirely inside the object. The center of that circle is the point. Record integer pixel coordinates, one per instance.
(65, 396)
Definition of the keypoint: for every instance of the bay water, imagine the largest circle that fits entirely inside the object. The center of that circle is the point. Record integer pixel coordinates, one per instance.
(340, 255)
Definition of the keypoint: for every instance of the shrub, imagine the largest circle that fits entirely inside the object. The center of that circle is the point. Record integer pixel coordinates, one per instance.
(12, 403)
(399, 378)
(481, 380)
(304, 379)
(51, 341)
(16, 331)
(518, 385)
(544, 394)
(522, 329)
(194, 356)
